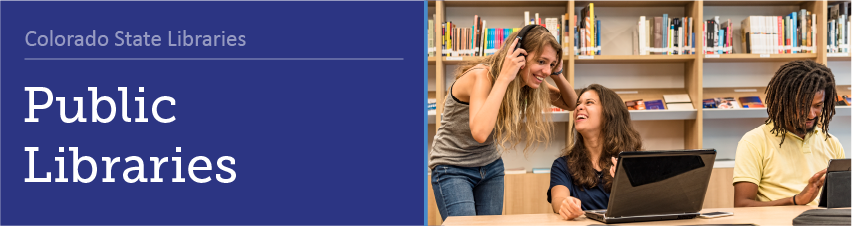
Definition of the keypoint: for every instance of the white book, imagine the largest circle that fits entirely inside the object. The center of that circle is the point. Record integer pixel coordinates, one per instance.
(770, 31)
(679, 106)
(761, 40)
(540, 170)
(527, 17)
(677, 98)
(636, 40)
(518, 170)
(813, 31)
(648, 31)
(642, 41)
(764, 40)
(536, 19)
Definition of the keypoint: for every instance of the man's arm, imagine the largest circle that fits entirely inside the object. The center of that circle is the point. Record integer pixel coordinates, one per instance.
(745, 193)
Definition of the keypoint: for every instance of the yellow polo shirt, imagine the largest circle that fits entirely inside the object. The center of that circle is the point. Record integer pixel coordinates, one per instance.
(781, 172)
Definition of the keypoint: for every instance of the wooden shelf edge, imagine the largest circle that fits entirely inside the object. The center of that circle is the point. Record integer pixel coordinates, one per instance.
(752, 3)
(748, 57)
(646, 115)
(715, 113)
(633, 59)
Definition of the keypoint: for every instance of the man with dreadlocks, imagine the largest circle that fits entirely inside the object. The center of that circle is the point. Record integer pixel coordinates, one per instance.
(783, 161)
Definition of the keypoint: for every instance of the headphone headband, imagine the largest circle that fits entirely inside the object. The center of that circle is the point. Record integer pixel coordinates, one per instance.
(523, 33)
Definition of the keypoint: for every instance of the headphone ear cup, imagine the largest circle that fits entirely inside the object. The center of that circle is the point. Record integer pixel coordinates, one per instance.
(522, 34)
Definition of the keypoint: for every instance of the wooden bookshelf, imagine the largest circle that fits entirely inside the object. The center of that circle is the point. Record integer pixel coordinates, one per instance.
(525, 199)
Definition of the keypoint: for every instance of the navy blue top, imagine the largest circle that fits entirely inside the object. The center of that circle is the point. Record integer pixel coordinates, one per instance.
(595, 198)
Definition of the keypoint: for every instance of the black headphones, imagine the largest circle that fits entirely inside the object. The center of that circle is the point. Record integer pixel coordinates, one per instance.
(523, 33)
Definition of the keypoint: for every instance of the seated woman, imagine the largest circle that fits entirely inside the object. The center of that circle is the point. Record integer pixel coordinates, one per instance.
(602, 129)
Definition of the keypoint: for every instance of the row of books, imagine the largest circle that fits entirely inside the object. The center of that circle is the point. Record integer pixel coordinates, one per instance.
(731, 103)
(794, 33)
(587, 32)
(839, 30)
(669, 102)
(479, 40)
(664, 36)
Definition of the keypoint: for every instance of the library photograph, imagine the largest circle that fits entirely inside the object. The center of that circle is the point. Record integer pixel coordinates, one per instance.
(654, 112)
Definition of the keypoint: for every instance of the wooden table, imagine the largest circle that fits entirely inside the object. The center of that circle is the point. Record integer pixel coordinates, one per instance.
(777, 215)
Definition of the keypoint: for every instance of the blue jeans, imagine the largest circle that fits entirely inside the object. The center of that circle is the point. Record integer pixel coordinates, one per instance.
(469, 191)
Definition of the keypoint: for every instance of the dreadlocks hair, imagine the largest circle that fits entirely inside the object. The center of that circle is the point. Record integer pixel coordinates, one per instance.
(791, 91)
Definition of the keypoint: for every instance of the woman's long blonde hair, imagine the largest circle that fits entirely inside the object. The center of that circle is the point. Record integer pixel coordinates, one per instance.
(522, 102)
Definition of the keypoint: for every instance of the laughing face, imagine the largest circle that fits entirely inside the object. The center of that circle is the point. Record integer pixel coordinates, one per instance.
(536, 70)
(588, 116)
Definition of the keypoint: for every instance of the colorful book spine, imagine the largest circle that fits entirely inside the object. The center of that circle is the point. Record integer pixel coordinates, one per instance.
(598, 37)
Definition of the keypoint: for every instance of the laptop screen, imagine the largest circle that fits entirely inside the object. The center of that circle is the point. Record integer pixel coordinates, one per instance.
(660, 182)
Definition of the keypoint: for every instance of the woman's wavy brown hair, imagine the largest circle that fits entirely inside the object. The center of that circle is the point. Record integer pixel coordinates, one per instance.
(617, 134)
(522, 102)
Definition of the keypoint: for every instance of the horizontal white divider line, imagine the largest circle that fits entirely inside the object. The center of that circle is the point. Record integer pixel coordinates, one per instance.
(213, 58)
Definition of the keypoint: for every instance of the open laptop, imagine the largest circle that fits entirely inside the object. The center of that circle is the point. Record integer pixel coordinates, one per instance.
(657, 185)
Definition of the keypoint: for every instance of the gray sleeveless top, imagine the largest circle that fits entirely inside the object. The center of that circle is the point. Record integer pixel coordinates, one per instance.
(454, 144)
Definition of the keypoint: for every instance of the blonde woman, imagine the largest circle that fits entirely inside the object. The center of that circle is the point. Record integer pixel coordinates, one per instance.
(498, 101)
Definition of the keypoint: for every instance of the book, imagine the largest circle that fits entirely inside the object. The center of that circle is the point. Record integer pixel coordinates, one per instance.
(727, 103)
(516, 170)
(679, 106)
(678, 98)
(540, 170)
(431, 105)
(709, 103)
(648, 41)
(841, 101)
(751, 102)
(654, 105)
(636, 40)
(665, 34)
(658, 34)
(635, 104)
(597, 38)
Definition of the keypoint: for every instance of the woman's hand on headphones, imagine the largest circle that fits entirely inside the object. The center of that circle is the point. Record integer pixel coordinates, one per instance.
(513, 63)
